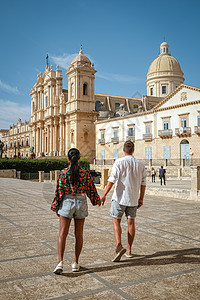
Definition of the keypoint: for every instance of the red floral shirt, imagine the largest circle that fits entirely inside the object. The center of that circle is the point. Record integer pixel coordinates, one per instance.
(84, 186)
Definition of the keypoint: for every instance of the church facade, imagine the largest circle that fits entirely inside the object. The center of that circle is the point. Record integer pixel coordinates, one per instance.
(164, 124)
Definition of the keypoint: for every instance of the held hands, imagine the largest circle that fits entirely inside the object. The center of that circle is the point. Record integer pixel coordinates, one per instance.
(103, 199)
(140, 203)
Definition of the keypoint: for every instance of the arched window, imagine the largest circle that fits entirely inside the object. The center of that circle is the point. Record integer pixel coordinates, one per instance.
(22, 143)
(85, 136)
(27, 142)
(85, 89)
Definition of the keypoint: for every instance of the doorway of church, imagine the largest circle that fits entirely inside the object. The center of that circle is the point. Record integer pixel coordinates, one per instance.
(185, 152)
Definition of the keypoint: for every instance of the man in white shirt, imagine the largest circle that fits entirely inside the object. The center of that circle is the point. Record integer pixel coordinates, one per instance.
(129, 176)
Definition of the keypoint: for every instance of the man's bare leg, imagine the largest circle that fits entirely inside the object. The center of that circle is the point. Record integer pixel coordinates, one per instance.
(117, 232)
(131, 234)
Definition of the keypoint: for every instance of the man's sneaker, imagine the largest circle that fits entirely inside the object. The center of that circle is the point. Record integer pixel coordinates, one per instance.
(119, 254)
(59, 268)
(75, 267)
(128, 254)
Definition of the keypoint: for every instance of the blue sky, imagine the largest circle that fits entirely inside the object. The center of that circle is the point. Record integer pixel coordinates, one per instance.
(121, 37)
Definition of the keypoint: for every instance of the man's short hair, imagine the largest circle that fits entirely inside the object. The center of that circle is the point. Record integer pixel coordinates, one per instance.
(128, 147)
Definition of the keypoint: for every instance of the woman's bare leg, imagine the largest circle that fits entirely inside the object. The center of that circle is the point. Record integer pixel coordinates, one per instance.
(64, 229)
(78, 232)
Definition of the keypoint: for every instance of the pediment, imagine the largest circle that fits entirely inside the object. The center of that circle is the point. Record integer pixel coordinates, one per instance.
(180, 96)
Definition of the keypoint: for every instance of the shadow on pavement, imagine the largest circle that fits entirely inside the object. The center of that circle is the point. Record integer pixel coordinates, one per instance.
(159, 258)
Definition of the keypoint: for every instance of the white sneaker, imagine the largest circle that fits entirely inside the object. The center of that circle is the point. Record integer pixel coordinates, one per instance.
(119, 253)
(75, 267)
(59, 268)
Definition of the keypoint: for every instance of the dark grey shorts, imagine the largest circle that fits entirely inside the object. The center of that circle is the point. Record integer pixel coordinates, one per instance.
(117, 210)
(74, 206)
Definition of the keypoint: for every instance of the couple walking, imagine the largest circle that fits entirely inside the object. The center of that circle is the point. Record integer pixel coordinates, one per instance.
(74, 183)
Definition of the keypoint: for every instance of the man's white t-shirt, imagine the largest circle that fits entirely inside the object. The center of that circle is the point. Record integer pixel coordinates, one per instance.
(128, 174)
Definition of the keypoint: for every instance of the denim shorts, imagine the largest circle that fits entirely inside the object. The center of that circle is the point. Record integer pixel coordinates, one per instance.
(117, 210)
(74, 206)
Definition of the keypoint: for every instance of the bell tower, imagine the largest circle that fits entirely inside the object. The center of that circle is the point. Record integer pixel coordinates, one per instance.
(80, 107)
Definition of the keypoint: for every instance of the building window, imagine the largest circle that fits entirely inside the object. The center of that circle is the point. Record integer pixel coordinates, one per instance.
(85, 89)
(97, 105)
(102, 135)
(135, 108)
(18, 130)
(148, 131)
(22, 143)
(164, 89)
(184, 122)
(148, 152)
(47, 101)
(117, 105)
(166, 124)
(198, 120)
(11, 145)
(115, 133)
(166, 152)
(131, 131)
(85, 136)
(151, 91)
(72, 89)
(26, 142)
(26, 154)
(102, 154)
(14, 143)
(22, 155)
(6, 147)
(115, 153)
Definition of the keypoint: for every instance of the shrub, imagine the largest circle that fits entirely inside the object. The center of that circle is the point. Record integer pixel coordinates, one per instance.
(35, 165)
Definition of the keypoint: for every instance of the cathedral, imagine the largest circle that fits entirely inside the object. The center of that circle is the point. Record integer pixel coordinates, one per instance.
(164, 123)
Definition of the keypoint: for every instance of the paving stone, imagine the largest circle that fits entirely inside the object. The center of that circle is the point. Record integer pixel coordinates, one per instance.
(166, 247)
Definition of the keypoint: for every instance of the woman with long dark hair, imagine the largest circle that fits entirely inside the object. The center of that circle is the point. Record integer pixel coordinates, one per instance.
(70, 201)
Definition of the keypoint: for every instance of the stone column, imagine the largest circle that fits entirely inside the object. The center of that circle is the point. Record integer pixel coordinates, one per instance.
(41, 176)
(51, 139)
(179, 173)
(51, 175)
(18, 174)
(57, 172)
(195, 184)
(104, 178)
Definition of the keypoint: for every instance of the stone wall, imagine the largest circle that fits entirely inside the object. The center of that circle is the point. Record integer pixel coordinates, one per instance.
(10, 173)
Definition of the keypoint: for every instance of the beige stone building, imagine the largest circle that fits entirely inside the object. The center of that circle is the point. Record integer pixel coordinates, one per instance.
(164, 124)
(17, 140)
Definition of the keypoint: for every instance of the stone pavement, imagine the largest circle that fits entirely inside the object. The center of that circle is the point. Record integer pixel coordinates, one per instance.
(166, 247)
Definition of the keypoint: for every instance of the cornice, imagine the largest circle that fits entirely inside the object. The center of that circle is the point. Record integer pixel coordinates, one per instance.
(180, 87)
(178, 105)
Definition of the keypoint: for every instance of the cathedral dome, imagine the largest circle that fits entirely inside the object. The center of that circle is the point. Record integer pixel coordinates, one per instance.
(164, 74)
(164, 62)
(80, 59)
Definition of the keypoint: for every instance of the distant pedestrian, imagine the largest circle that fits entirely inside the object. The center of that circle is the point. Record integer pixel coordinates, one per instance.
(153, 174)
(162, 175)
(70, 201)
(129, 176)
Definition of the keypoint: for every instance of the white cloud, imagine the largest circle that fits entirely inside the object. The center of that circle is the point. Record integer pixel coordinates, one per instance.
(6, 87)
(65, 60)
(11, 111)
(119, 77)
